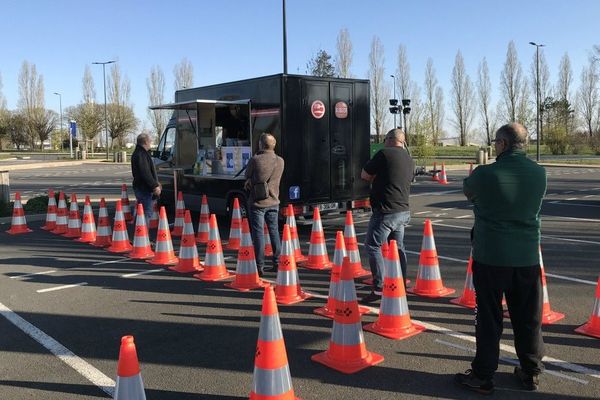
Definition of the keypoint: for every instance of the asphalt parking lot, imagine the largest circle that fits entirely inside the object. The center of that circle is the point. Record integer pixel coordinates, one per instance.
(196, 340)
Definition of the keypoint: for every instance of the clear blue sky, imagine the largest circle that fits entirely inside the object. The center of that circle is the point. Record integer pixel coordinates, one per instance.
(236, 39)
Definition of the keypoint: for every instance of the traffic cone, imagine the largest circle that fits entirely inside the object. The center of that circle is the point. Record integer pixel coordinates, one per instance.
(548, 316)
(125, 204)
(18, 223)
(290, 220)
(317, 251)
(443, 178)
(214, 262)
(164, 253)
(129, 379)
(246, 272)
(338, 258)
(51, 212)
(352, 247)
(592, 327)
(429, 281)
(235, 231)
(179, 216)
(74, 226)
(271, 379)
(434, 176)
(141, 241)
(155, 216)
(188, 252)
(384, 251)
(394, 319)
(468, 297)
(120, 239)
(268, 245)
(61, 215)
(287, 288)
(104, 233)
(347, 352)
(470, 168)
(88, 224)
(204, 222)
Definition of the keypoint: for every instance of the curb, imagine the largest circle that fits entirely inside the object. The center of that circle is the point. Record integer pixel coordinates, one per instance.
(52, 164)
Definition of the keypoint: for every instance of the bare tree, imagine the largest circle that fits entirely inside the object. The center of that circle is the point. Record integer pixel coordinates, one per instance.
(379, 90)
(4, 117)
(434, 103)
(588, 97)
(156, 95)
(544, 84)
(403, 73)
(184, 74)
(121, 118)
(484, 95)
(344, 54)
(31, 103)
(89, 91)
(511, 79)
(525, 111)
(462, 98)
(563, 87)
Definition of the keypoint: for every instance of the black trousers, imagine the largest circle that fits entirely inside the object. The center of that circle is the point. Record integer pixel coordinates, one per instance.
(522, 287)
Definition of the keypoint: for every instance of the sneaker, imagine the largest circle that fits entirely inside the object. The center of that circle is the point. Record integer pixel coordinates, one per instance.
(470, 381)
(529, 382)
(370, 298)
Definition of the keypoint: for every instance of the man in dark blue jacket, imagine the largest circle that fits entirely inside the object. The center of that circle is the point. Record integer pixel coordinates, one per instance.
(145, 181)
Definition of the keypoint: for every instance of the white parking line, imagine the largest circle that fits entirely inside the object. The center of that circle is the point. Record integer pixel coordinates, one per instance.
(572, 198)
(61, 287)
(150, 271)
(569, 192)
(32, 274)
(589, 195)
(422, 212)
(463, 216)
(566, 278)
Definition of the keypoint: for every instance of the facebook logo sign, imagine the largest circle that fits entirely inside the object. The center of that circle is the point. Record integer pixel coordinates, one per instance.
(73, 129)
(294, 192)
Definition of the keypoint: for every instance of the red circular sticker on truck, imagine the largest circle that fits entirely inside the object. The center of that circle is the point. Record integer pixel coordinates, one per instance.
(341, 110)
(317, 109)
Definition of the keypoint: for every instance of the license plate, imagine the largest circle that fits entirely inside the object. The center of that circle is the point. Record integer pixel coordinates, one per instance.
(328, 206)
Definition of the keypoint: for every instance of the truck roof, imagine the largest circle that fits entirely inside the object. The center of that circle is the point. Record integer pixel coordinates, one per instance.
(192, 104)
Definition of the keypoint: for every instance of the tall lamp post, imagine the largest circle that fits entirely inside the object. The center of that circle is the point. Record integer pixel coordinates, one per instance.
(61, 125)
(103, 63)
(394, 80)
(538, 123)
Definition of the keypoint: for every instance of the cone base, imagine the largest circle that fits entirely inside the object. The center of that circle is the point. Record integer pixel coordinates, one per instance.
(443, 291)
(460, 301)
(348, 366)
(144, 255)
(293, 299)
(395, 333)
(327, 313)
(587, 330)
(85, 240)
(319, 267)
(552, 317)
(203, 276)
(59, 231)
(72, 235)
(119, 250)
(48, 227)
(359, 273)
(101, 243)
(18, 231)
(301, 259)
(167, 261)
(187, 269)
(246, 288)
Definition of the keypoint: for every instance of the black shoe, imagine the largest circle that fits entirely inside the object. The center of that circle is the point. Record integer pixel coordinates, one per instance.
(468, 380)
(529, 382)
(260, 272)
(370, 298)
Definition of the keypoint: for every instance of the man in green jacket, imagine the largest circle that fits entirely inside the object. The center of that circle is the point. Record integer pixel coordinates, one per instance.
(507, 197)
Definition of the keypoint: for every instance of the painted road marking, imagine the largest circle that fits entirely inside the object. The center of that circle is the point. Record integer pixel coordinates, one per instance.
(589, 195)
(447, 209)
(463, 216)
(150, 271)
(32, 274)
(575, 204)
(61, 287)
(422, 212)
(435, 193)
(566, 278)
(88, 371)
(572, 198)
(569, 192)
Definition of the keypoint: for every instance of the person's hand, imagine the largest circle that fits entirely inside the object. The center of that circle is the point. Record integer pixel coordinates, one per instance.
(157, 190)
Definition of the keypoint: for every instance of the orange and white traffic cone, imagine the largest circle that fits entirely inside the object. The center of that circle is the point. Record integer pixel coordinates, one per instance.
(188, 252)
(468, 296)
(179, 216)
(164, 253)
(235, 231)
(347, 351)
(88, 224)
(204, 222)
(429, 280)
(125, 204)
(104, 233)
(271, 379)
(317, 251)
(592, 327)
(141, 241)
(290, 221)
(352, 247)
(129, 378)
(74, 226)
(287, 284)
(338, 258)
(51, 212)
(154, 218)
(18, 223)
(268, 245)
(246, 272)
(214, 262)
(548, 316)
(61, 216)
(443, 178)
(434, 176)
(120, 238)
(394, 319)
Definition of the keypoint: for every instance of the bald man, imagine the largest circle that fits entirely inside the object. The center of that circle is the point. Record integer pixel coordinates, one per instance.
(145, 182)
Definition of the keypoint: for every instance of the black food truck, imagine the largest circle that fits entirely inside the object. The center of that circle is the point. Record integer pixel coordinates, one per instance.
(322, 131)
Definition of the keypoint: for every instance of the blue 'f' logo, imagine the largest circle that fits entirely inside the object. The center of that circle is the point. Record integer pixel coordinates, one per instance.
(294, 192)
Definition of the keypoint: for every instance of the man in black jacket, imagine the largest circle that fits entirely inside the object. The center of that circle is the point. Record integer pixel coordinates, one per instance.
(145, 181)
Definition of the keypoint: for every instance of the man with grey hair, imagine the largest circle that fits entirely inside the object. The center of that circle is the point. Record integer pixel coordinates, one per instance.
(145, 182)
(507, 197)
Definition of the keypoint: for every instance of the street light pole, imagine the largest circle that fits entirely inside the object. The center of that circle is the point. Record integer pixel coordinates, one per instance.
(285, 66)
(538, 123)
(61, 126)
(103, 63)
(394, 80)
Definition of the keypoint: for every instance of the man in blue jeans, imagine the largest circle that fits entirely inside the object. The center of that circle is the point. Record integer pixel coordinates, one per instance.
(263, 176)
(390, 171)
(145, 182)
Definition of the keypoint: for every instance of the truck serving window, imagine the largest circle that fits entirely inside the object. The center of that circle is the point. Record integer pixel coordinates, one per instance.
(165, 147)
